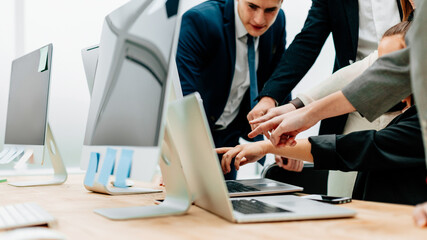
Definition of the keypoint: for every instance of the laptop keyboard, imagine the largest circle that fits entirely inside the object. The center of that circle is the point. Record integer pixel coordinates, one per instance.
(252, 206)
(23, 215)
(234, 187)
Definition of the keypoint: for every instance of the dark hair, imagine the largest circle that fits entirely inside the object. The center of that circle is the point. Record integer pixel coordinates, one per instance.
(411, 16)
(406, 9)
(400, 28)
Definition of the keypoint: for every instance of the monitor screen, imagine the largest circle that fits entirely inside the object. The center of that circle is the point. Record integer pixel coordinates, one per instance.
(131, 83)
(28, 98)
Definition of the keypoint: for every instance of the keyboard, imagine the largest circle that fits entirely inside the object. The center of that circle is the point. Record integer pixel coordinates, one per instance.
(24, 215)
(233, 187)
(252, 206)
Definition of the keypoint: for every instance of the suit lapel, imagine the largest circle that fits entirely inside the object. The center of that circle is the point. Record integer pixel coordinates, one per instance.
(230, 36)
(351, 8)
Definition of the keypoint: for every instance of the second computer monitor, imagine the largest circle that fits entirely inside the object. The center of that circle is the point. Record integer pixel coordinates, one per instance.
(130, 87)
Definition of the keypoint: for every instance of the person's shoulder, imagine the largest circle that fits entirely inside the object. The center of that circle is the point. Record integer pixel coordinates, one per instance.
(408, 116)
(411, 113)
(208, 10)
(281, 14)
(280, 19)
(371, 58)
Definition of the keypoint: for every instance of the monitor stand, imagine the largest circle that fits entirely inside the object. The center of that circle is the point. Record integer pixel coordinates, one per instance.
(60, 173)
(93, 183)
(100, 188)
(178, 197)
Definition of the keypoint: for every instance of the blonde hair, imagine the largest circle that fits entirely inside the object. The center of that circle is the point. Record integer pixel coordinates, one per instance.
(400, 28)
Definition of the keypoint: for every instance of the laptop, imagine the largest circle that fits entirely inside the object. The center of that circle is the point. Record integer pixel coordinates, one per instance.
(260, 186)
(189, 131)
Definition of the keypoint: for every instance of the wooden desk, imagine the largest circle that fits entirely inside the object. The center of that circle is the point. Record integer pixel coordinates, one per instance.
(73, 206)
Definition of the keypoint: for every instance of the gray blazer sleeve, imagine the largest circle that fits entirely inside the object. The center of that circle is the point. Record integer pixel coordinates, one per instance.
(418, 39)
(381, 86)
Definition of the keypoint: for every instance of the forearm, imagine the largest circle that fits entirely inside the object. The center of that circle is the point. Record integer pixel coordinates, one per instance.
(338, 80)
(271, 102)
(302, 151)
(333, 105)
(330, 85)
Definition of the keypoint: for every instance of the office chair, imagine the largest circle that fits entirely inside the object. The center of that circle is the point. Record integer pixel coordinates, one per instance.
(312, 180)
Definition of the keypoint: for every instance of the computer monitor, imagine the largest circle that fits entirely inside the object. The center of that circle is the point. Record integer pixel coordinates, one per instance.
(133, 80)
(90, 61)
(27, 106)
(131, 84)
(28, 135)
(28, 98)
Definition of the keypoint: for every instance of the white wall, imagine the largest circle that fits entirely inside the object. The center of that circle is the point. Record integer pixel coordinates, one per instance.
(7, 45)
(73, 25)
(70, 26)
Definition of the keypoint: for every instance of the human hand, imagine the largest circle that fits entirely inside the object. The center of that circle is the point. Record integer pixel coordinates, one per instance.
(282, 130)
(293, 165)
(242, 154)
(271, 113)
(262, 107)
(420, 215)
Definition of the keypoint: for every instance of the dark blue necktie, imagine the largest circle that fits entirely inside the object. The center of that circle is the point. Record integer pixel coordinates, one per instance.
(252, 72)
(253, 82)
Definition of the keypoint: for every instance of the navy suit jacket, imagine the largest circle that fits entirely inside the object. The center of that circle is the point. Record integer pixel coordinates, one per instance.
(339, 17)
(206, 54)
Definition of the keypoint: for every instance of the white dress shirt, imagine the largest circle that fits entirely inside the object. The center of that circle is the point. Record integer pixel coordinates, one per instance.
(375, 17)
(241, 81)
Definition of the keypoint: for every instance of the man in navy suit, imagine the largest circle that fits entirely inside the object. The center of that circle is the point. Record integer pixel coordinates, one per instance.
(212, 59)
(356, 27)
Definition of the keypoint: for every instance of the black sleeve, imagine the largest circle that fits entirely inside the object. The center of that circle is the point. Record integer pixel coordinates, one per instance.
(397, 146)
(301, 54)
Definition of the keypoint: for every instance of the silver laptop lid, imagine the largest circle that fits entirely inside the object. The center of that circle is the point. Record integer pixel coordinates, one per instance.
(189, 132)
